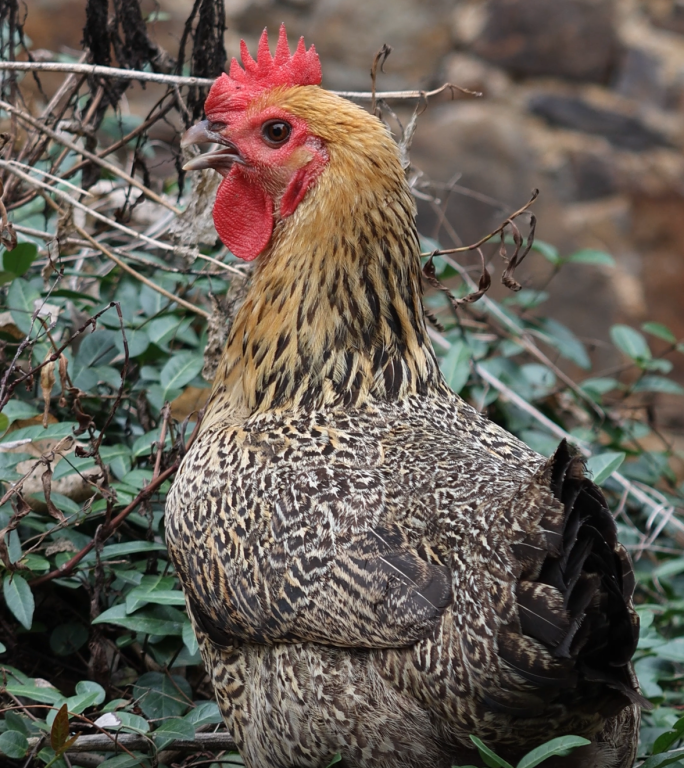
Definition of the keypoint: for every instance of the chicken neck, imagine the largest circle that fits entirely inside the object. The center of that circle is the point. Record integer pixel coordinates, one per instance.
(334, 313)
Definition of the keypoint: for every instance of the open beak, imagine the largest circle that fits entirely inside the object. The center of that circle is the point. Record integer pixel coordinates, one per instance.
(220, 159)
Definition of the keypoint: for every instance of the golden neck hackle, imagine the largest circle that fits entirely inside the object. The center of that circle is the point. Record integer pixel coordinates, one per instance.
(334, 313)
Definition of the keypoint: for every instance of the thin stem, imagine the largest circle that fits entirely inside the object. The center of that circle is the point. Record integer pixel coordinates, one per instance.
(149, 283)
(72, 201)
(153, 77)
(85, 153)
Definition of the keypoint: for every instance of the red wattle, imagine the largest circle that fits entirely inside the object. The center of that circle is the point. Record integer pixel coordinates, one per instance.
(243, 216)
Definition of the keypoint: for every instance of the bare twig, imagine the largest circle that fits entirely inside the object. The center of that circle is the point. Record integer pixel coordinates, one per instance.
(61, 139)
(76, 204)
(102, 742)
(523, 338)
(153, 77)
(146, 281)
(486, 238)
(146, 492)
(109, 529)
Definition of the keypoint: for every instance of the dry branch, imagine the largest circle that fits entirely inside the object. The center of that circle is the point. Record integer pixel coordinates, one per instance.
(147, 491)
(38, 126)
(101, 742)
(153, 77)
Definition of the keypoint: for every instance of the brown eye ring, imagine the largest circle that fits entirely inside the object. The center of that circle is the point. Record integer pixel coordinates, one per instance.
(276, 132)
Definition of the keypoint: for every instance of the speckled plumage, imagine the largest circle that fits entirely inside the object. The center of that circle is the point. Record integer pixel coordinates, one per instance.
(372, 567)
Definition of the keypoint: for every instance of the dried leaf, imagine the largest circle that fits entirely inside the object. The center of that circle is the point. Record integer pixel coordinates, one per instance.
(46, 479)
(47, 382)
(84, 420)
(63, 379)
(59, 733)
(8, 237)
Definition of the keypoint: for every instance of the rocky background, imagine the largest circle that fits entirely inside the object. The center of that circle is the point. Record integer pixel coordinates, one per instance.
(583, 99)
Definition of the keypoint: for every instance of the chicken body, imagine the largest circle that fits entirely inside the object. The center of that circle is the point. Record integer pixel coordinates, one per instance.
(372, 567)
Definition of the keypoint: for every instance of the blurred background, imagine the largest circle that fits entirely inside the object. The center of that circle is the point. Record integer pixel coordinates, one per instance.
(583, 99)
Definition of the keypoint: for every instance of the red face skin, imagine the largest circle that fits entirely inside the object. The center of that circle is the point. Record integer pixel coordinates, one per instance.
(264, 179)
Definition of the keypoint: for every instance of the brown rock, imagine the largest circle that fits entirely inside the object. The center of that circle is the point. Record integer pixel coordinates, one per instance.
(622, 130)
(667, 14)
(348, 35)
(573, 39)
(483, 148)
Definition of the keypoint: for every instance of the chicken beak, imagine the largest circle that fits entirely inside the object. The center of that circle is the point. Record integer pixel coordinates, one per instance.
(220, 159)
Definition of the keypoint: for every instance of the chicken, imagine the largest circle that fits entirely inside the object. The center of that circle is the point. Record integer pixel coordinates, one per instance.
(372, 567)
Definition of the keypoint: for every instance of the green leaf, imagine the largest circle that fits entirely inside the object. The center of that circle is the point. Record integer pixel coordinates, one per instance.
(336, 759)
(19, 599)
(548, 251)
(658, 384)
(189, 638)
(138, 479)
(490, 758)
(19, 259)
(97, 348)
(591, 256)
(670, 568)
(173, 729)
(565, 341)
(162, 329)
(661, 331)
(130, 548)
(90, 688)
(70, 465)
(118, 457)
(138, 341)
(37, 432)
(659, 364)
(21, 298)
(88, 694)
(143, 445)
(152, 302)
(672, 650)
(603, 465)
(162, 696)
(13, 744)
(180, 370)
(205, 713)
(660, 761)
(132, 760)
(3, 648)
(68, 638)
(17, 409)
(599, 386)
(43, 694)
(666, 740)
(4, 422)
(631, 342)
(125, 721)
(140, 596)
(161, 620)
(560, 746)
(456, 365)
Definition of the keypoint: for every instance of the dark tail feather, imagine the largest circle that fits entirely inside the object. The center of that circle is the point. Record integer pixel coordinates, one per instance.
(576, 591)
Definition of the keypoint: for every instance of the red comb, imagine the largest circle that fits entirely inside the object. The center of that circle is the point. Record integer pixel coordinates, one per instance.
(300, 68)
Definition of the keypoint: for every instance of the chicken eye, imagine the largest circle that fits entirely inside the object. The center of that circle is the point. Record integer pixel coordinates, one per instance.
(276, 132)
